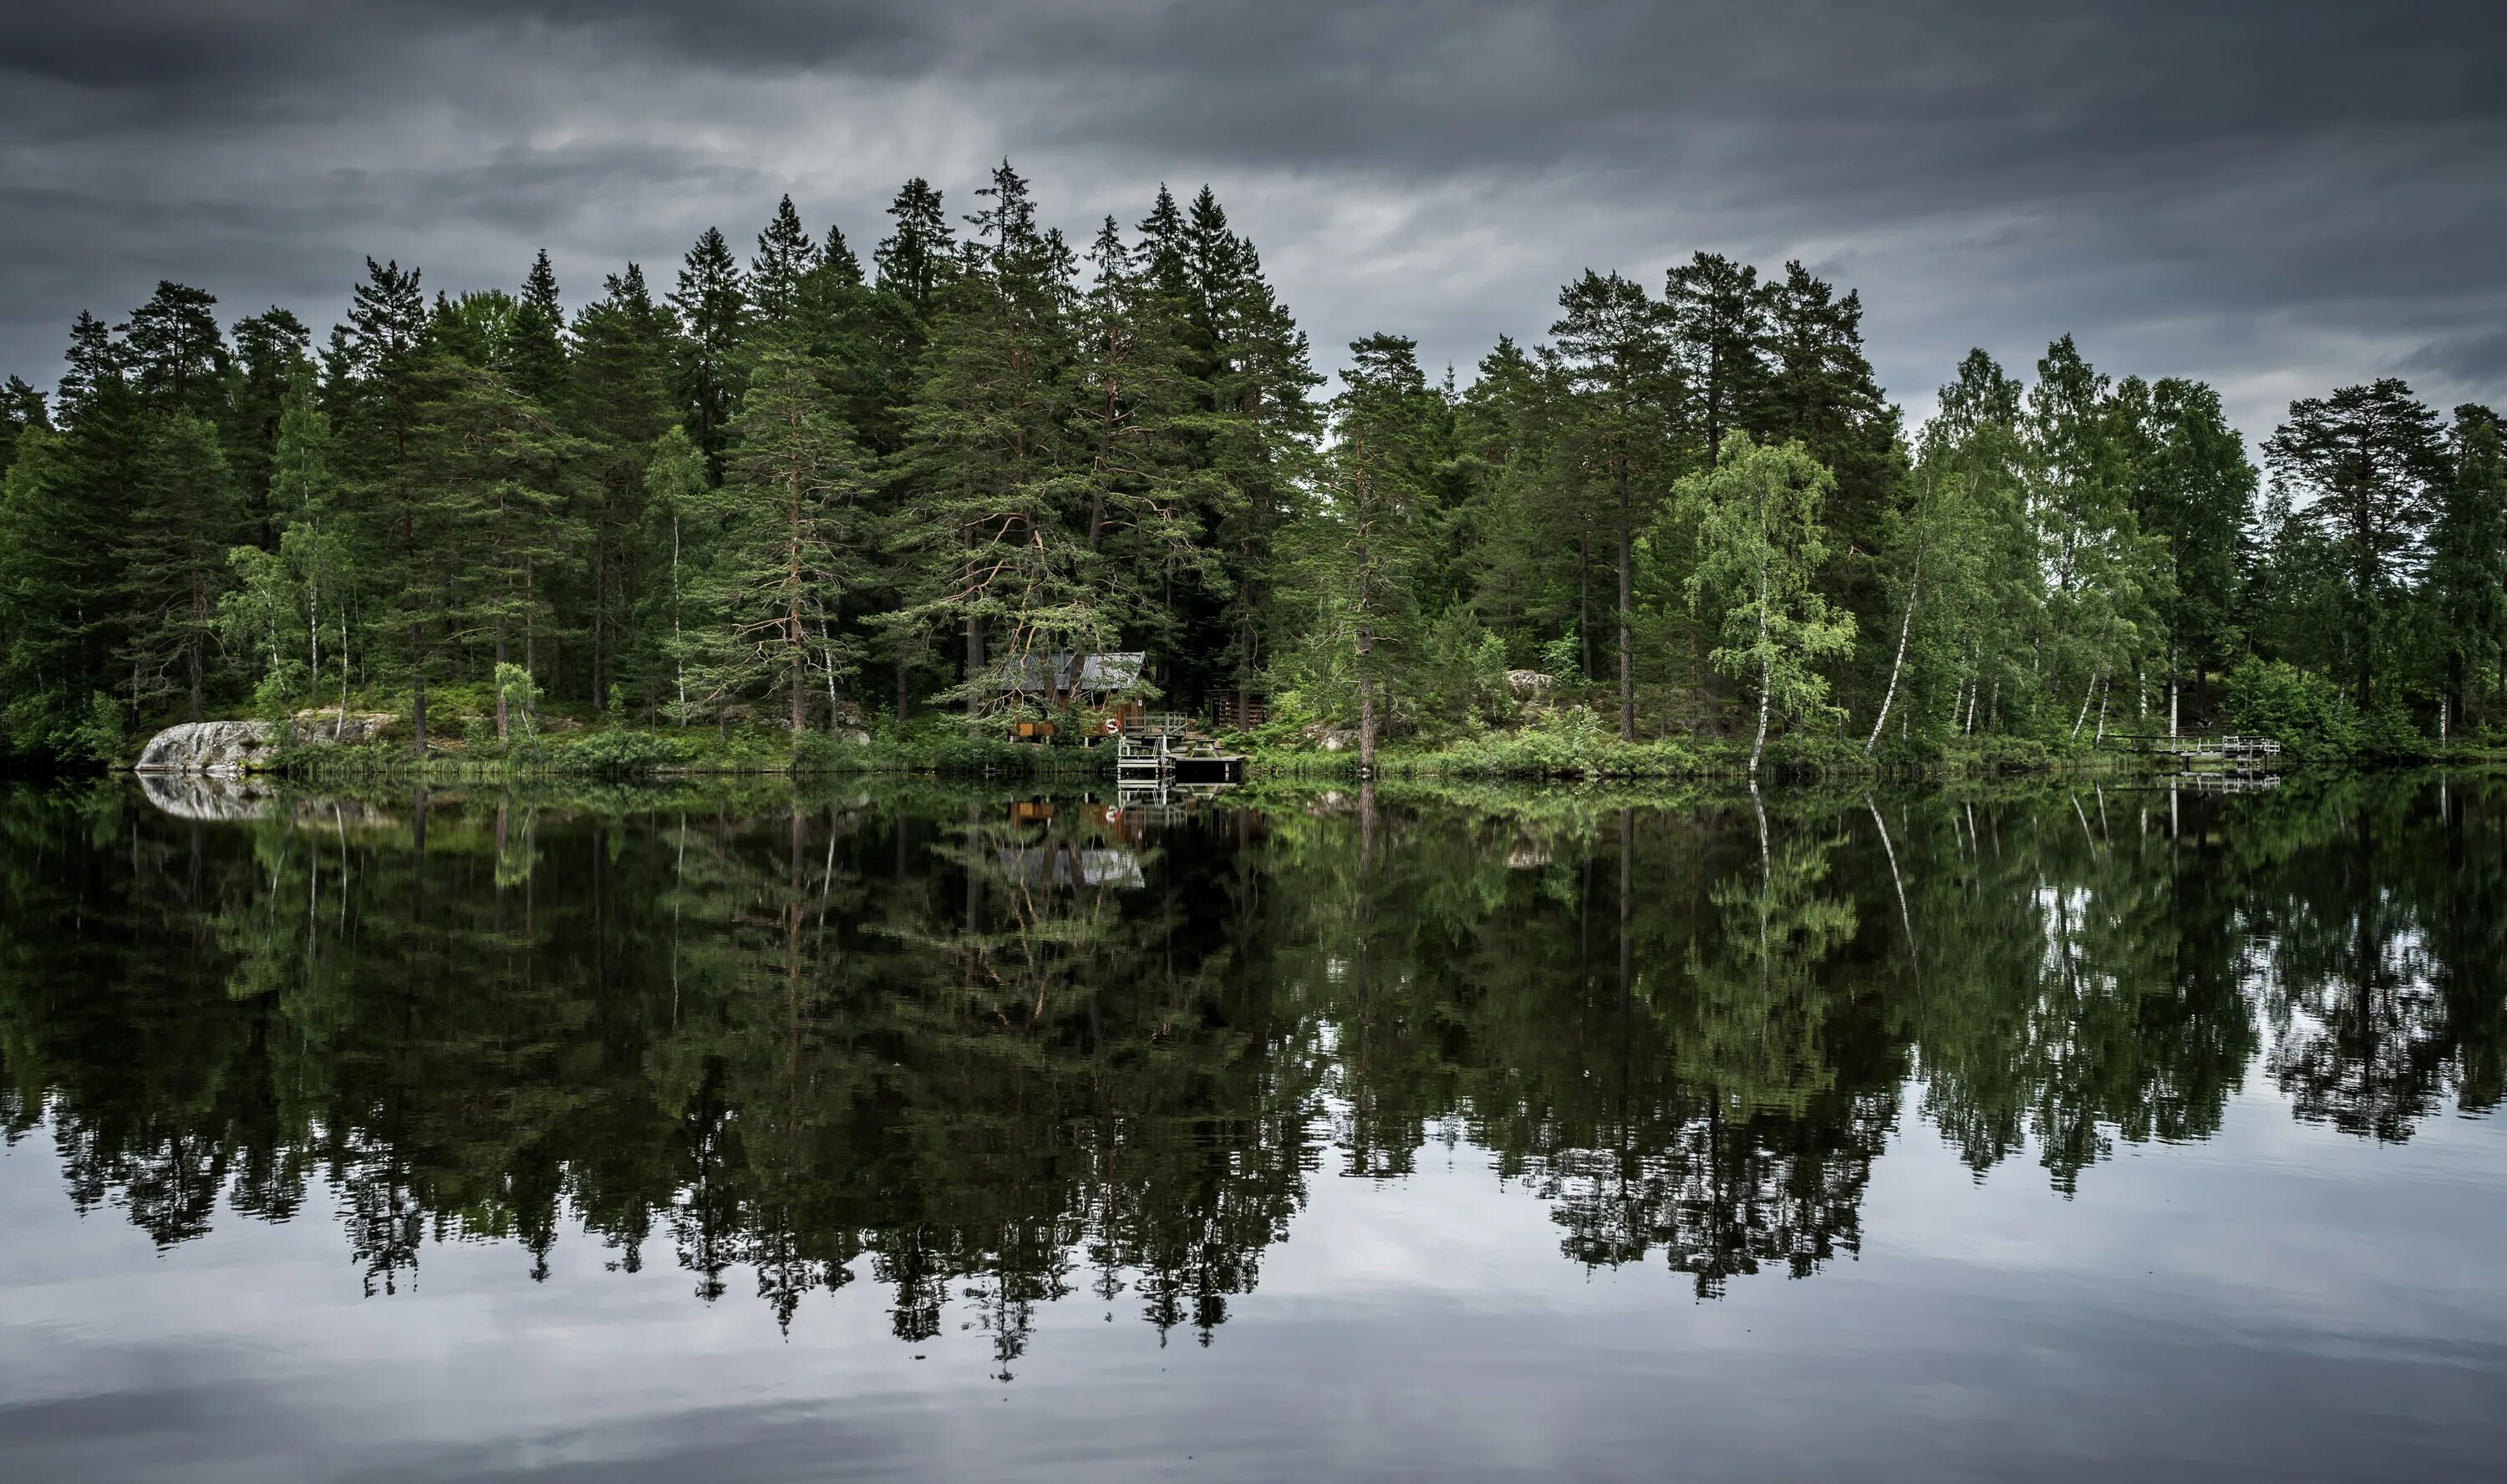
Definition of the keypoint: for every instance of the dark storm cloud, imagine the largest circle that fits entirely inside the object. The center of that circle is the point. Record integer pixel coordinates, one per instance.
(2274, 197)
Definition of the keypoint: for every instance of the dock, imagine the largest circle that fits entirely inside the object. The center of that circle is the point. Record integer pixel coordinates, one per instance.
(1161, 747)
(2229, 754)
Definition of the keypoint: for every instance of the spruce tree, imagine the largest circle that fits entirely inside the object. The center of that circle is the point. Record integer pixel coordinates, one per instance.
(1263, 429)
(174, 559)
(536, 360)
(21, 408)
(2193, 492)
(619, 402)
(1139, 413)
(270, 349)
(1358, 556)
(712, 304)
(784, 257)
(2467, 572)
(913, 258)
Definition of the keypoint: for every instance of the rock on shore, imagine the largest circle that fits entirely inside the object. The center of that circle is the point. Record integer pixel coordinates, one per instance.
(222, 748)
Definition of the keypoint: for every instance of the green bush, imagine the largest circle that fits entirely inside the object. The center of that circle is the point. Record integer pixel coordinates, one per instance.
(615, 752)
(2304, 711)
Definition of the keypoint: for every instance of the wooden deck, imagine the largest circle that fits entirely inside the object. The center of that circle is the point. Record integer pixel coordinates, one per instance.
(2237, 755)
(1164, 747)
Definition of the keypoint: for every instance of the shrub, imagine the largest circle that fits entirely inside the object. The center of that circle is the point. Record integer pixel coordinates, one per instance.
(618, 753)
(2305, 713)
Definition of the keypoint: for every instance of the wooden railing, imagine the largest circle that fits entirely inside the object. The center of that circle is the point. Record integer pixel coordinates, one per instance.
(2232, 748)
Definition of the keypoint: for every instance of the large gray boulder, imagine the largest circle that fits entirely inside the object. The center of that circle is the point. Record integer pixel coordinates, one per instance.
(325, 725)
(221, 748)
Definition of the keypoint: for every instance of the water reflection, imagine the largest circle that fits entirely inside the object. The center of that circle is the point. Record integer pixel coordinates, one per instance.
(989, 1051)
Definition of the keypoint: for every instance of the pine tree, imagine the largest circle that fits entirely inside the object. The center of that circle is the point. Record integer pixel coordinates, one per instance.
(986, 518)
(173, 350)
(1718, 316)
(788, 552)
(2370, 459)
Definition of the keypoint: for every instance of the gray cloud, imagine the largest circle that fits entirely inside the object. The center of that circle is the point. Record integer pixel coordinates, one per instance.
(2275, 197)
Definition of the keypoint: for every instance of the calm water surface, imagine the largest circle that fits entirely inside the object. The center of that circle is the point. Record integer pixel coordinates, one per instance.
(911, 1133)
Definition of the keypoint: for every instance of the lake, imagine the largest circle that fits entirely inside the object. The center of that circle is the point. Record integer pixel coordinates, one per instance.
(906, 1130)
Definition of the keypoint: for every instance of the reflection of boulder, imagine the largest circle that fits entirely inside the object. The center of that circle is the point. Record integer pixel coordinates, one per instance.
(225, 747)
(325, 725)
(206, 795)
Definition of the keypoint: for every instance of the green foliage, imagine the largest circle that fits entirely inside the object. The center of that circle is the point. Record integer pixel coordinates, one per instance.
(2304, 710)
(1760, 542)
(788, 492)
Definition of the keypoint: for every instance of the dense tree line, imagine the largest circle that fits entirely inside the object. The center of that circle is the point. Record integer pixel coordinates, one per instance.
(801, 491)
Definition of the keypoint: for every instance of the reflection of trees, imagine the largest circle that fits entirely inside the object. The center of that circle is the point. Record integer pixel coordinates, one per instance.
(1635, 1026)
(779, 1045)
(2081, 978)
(2377, 912)
(992, 1057)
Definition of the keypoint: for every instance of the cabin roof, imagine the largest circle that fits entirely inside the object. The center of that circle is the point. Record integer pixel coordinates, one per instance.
(1112, 670)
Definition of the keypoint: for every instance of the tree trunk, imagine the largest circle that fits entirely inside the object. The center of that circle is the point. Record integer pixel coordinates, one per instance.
(1627, 657)
(418, 693)
(1766, 679)
(974, 669)
(1915, 585)
(501, 733)
(1584, 599)
(1365, 707)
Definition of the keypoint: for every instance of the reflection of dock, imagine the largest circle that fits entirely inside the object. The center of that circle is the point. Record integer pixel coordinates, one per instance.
(2221, 783)
(1163, 748)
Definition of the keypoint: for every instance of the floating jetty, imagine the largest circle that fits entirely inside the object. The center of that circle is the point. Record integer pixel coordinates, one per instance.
(1158, 747)
(2209, 763)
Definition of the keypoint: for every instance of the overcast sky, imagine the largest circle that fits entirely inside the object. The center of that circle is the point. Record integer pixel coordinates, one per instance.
(2278, 197)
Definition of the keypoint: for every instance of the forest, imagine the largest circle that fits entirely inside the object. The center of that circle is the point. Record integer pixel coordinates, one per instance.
(801, 497)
